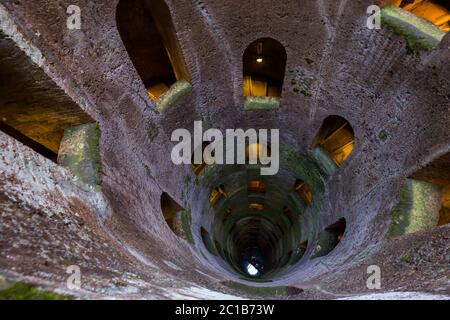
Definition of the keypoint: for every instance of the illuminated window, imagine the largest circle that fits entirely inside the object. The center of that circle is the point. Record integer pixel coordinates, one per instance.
(256, 186)
(264, 64)
(217, 194)
(337, 138)
(256, 206)
(255, 150)
(198, 168)
(435, 11)
(303, 191)
(148, 34)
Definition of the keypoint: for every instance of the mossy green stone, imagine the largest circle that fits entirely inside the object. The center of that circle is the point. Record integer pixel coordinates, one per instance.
(177, 91)
(80, 152)
(25, 291)
(279, 291)
(261, 103)
(417, 209)
(420, 34)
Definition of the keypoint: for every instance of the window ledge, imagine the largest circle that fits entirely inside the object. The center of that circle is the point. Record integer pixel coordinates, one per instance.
(324, 160)
(79, 152)
(419, 33)
(261, 103)
(177, 91)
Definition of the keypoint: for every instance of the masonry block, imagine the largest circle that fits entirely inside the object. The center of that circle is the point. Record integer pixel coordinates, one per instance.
(79, 152)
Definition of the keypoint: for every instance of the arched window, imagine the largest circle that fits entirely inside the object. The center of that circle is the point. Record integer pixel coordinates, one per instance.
(256, 186)
(264, 64)
(148, 34)
(256, 206)
(35, 111)
(335, 139)
(299, 252)
(424, 200)
(177, 218)
(330, 238)
(303, 191)
(256, 151)
(217, 194)
(197, 168)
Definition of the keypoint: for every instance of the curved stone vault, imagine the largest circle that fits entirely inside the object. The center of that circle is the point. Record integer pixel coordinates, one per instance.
(86, 177)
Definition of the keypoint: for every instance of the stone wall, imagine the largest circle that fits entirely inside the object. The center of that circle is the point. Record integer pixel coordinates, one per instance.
(395, 101)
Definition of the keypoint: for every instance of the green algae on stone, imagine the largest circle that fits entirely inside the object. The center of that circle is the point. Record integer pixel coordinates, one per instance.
(302, 82)
(279, 291)
(25, 291)
(323, 158)
(152, 131)
(326, 243)
(80, 152)
(303, 166)
(299, 252)
(182, 222)
(417, 209)
(261, 103)
(419, 33)
(177, 91)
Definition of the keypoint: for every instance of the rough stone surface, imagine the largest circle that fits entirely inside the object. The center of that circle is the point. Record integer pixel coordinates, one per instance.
(395, 101)
(79, 152)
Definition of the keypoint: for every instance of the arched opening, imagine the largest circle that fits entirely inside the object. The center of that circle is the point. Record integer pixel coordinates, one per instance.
(303, 191)
(329, 238)
(335, 139)
(217, 194)
(256, 186)
(289, 214)
(177, 218)
(424, 200)
(435, 11)
(147, 32)
(264, 64)
(197, 168)
(299, 252)
(256, 206)
(255, 151)
(207, 241)
(35, 111)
